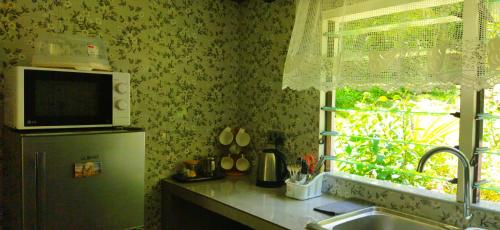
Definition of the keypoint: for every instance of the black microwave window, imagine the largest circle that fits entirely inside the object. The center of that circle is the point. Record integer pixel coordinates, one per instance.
(55, 98)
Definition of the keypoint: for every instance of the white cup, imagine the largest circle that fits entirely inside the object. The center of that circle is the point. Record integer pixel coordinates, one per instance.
(226, 136)
(242, 138)
(242, 164)
(227, 162)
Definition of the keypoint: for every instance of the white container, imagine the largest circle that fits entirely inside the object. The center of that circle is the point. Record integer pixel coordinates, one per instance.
(70, 51)
(304, 192)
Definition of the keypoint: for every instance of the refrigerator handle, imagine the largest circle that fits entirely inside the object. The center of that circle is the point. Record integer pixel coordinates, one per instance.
(41, 189)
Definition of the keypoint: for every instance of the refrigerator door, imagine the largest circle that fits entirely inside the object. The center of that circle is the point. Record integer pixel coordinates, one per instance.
(87, 181)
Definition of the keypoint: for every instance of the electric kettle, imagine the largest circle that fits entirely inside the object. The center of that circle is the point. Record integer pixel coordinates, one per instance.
(272, 170)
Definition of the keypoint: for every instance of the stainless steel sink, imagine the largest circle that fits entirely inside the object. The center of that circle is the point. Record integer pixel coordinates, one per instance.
(377, 218)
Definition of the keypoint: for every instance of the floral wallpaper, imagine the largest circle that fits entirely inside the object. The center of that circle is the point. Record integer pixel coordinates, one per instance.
(196, 67)
(182, 56)
(266, 29)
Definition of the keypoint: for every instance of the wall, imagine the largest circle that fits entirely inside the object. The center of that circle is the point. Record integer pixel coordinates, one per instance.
(196, 67)
(265, 30)
(183, 59)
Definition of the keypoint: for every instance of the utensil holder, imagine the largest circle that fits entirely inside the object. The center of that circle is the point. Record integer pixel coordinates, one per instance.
(307, 191)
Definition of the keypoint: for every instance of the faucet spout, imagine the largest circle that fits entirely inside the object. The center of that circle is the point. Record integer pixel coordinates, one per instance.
(466, 167)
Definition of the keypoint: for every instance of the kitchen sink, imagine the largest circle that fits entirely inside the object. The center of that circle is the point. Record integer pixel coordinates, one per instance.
(378, 218)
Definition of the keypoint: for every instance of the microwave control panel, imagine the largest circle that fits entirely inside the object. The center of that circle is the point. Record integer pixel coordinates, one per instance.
(121, 99)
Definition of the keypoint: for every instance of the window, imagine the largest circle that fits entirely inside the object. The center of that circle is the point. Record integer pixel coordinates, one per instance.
(383, 134)
(489, 167)
(490, 185)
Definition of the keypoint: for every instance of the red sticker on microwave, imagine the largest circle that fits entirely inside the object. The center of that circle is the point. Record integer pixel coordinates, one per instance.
(92, 50)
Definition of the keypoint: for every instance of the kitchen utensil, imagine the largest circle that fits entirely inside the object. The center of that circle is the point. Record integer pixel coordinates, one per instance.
(301, 179)
(301, 191)
(304, 168)
(242, 138)
(226, 136)
(191, 167)
(242, 164)
(294, 170)
(227, 162)
(317, 169)
(272, 169)
(208, 166)
(319, 164)
(310, 162)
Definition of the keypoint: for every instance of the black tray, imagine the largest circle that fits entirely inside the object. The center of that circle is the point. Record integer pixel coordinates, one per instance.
(183, 179)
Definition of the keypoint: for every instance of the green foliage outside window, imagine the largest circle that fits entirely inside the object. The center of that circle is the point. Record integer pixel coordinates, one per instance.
(491, 138)
(383, 134)
(401, 136)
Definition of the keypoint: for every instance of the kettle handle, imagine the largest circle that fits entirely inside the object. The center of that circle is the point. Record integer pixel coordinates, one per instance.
(283, 172)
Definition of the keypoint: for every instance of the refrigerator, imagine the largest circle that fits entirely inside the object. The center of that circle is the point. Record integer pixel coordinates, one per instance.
(85, 179)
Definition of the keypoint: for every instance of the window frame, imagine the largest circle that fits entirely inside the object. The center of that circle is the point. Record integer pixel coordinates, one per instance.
(471, 101)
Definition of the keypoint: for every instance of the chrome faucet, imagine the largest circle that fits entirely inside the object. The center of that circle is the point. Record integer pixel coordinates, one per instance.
(466, 166)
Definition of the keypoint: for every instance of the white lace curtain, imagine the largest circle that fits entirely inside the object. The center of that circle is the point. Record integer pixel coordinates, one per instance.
(418, 45)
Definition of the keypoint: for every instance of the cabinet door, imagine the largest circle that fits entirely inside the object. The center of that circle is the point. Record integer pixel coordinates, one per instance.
(109, 195)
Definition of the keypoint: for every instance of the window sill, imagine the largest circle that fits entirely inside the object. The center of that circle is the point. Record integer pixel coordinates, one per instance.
(421, 192)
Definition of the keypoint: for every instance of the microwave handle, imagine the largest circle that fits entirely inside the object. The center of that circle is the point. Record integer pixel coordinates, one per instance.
(41, 189)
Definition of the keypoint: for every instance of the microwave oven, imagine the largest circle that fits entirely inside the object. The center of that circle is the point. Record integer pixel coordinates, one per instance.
(49, 98)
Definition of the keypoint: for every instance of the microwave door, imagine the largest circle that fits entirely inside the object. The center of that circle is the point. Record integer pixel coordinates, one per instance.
(54, 98)
(88, 181)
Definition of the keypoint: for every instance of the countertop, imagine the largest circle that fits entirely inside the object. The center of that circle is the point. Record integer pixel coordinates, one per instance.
(260, 208)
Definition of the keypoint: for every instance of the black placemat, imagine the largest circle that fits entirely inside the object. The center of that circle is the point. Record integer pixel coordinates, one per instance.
(182, 178)
(341, 207)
